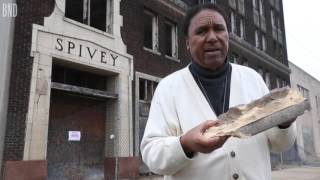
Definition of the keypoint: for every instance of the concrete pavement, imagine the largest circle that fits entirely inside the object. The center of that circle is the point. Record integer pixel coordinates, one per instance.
(297, 173)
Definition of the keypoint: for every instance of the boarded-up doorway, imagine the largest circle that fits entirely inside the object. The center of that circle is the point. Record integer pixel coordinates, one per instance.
(82, 159)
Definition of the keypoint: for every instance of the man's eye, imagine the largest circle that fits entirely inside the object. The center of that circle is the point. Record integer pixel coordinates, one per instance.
(220, 29)
(200, 31)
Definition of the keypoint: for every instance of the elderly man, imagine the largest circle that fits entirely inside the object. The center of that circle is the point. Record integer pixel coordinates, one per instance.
(188, 101)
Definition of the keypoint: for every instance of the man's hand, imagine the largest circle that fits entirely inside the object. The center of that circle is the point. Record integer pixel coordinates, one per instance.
(194, 141)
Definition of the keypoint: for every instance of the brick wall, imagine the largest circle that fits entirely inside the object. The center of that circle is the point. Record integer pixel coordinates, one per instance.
(250, 38)
(132, 34)
(29, 12)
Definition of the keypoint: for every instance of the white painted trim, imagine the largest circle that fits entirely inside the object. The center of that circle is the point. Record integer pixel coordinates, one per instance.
(172, 58)
(152, 51)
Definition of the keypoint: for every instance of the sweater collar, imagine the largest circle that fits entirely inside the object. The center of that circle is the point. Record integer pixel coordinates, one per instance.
(209, 74)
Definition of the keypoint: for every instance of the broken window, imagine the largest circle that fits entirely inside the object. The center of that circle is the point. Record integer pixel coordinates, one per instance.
(146, 89)
(95, 13)
(66, 75)
(171, 39)
(150, 31)
(304, 91)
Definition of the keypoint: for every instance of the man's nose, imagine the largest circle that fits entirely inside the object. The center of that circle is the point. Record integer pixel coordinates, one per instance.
(212, 36)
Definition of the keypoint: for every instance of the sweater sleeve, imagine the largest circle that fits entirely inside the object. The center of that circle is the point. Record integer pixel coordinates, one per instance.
(279, 139)
(160, 147)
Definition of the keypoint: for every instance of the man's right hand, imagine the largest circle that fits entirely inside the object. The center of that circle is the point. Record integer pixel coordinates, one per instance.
(193, 141)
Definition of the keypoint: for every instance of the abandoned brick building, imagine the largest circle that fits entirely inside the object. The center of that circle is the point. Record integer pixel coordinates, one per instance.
(83, 74)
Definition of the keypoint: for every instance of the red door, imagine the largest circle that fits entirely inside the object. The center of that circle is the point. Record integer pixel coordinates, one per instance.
(76, 159)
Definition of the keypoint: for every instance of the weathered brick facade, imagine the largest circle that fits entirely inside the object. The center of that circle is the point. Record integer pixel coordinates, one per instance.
(29, 12)
(132, 34)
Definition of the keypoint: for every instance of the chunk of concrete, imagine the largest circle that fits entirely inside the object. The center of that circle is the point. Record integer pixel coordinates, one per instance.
(279, 106)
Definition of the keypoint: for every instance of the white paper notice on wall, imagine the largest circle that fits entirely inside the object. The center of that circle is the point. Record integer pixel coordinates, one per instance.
(74, 136)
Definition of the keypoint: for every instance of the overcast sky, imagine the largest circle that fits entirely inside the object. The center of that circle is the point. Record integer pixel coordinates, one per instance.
(303, 34)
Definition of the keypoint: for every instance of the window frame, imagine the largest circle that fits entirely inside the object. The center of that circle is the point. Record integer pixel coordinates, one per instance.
(155, 31)
(273, 18)
(257, 38)
(148, 89)
(86, 12)
(278, 82)
(242, 29)
(261, 8)
(268, 79)
(174, 39)
(255, 4)
(263, 42)
(241, 7)
(233, 22)
(304, 91)
(140, 114)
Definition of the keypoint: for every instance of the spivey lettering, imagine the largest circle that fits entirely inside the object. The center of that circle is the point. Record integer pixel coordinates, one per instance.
(80, 50)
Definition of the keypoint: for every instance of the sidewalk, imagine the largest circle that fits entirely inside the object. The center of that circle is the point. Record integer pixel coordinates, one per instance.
(297, 173)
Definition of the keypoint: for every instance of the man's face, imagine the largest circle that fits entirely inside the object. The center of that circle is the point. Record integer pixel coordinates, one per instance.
(208, 39)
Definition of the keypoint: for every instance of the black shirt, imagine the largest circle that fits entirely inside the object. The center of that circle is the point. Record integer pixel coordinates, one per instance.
(215, 85)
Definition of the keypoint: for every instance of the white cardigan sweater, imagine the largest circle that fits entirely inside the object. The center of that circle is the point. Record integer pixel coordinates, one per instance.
(179, 105)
